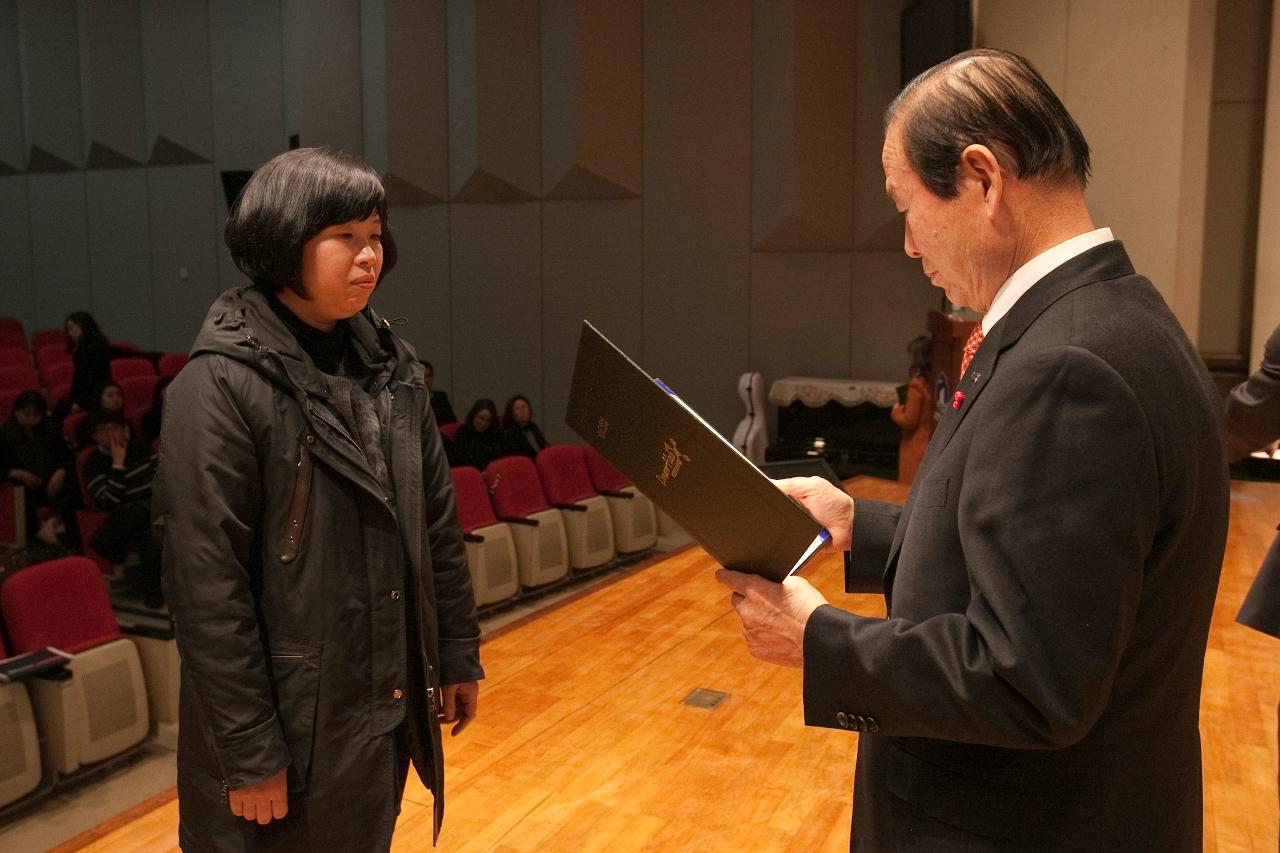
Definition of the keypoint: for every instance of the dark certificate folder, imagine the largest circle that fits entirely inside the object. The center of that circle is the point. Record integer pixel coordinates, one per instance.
(685, 467)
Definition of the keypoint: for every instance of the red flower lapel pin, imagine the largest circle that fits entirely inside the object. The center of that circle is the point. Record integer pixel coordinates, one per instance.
(957, 400)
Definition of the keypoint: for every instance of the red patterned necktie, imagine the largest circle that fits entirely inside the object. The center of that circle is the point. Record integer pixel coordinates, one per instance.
(970, 347)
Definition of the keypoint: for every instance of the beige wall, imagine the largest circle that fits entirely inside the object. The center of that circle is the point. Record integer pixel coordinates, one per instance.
(1137, 77)
(1238, 114)
(1266, 300)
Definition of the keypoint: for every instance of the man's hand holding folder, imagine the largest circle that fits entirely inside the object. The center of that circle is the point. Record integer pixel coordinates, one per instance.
(774, 615)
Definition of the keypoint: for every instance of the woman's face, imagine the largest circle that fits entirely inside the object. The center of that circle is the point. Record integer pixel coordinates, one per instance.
(28, 417)
(521, 412)
(482, 421)
(112, 399)
(340, 268)
(74, 331)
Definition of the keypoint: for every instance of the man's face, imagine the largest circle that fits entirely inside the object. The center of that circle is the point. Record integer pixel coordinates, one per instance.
(945, 234)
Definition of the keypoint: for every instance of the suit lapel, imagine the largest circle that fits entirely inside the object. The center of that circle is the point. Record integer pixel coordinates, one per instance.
(1100, 263)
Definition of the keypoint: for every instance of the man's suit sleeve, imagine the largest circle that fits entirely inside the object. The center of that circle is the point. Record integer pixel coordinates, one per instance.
(1253, 407)
(1048, 520)
(873, 525)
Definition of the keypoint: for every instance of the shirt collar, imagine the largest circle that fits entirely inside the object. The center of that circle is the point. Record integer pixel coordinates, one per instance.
(1025, 277)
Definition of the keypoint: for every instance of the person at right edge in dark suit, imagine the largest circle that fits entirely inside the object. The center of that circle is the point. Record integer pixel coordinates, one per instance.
(1050, 579)
(1253, 421)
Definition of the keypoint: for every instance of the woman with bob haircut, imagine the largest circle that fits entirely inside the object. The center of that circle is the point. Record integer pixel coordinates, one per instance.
(312, 561)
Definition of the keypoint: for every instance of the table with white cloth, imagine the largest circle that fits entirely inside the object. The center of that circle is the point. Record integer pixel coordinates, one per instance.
(846, 421)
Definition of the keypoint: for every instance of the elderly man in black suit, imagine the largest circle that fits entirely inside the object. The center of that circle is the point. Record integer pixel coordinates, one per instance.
(1050, 579)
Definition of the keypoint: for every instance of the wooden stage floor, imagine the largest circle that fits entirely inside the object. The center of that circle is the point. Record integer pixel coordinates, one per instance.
(582, 742)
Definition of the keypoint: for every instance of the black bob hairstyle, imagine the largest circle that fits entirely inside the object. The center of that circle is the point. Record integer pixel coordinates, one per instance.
(993, 98)
(292, 198)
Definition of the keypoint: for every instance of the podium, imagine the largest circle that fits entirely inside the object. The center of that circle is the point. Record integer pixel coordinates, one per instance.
(949, 337)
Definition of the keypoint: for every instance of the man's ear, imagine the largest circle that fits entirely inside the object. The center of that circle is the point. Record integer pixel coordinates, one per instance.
(979, 167)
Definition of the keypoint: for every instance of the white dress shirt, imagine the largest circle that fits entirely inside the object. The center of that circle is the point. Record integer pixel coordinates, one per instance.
(1025, 276)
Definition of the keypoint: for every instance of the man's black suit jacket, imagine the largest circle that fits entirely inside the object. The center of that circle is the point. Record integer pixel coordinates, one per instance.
(1050, 582)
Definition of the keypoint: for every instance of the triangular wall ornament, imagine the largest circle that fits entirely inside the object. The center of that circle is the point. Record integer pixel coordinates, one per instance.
(39, 161)
(403, 192)
(102, 157)
(797, 234)
(580, 182)
(166, 152)
(484, 187)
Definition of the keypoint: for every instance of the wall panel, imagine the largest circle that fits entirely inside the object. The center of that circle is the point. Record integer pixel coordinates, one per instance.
(18, 295)
(406, 99)
(13, 145)
(495, 141)
(59, 246)
(496, 299)
(417, 290)
(115, 121)
(697, 200)
(800, 314)
(245, 47)
(591, 270)
(178, 90)
(120, 253)
(802, 126)
(322, 73)
(592, 82)
(50, 51)
(890, 301)
(184, 249)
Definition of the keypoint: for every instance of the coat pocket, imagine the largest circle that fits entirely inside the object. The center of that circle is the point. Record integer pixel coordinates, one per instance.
(933, 492)
(295, 670)
(979, 806)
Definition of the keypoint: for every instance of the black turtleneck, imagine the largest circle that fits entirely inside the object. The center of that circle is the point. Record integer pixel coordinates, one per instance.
(325, 348)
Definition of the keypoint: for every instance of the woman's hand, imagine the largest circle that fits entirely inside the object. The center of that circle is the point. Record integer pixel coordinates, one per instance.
(263, 801)
(459, 704)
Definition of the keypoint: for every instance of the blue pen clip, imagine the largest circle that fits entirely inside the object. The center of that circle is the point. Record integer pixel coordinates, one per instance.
(664, 387)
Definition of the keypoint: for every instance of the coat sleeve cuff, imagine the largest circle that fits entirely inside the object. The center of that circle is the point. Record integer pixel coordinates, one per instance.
(874, 524)
(249, 757)
(460, 660)
(822, 635)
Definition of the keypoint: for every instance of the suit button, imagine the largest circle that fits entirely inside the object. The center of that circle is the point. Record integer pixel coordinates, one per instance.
(862, 723)
(397, 694)
(395, 595)
(843, 719)
(873, 725)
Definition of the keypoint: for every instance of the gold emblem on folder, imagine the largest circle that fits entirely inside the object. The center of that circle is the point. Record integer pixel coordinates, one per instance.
(602, 427)
(672, 460)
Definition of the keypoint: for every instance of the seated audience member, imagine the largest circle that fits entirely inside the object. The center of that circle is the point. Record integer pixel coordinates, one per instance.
(523, 434)
(33, 454)
(439, 399)
(155, 415)
(118, 476)
(91, 355)
(480, 440)
(110, 398)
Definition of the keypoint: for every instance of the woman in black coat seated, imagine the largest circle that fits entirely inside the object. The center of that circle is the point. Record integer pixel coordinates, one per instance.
(33, 454)
(524, 435)
(480, 440)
